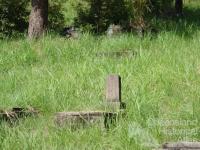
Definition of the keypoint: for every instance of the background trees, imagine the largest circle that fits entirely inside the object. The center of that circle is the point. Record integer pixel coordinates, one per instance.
(101, 13)
(179, 7)
(93, 15)
(38, 18)
(13, 16)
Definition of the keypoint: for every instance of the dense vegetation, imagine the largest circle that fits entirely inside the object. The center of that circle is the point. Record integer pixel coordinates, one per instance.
(93, 15)
(14, 16)
(160, 82)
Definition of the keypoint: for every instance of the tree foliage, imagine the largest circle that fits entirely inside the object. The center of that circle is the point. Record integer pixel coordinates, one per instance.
(13, 16)
(101, 13)
(159, 7)
(56, 16)
(96, 15)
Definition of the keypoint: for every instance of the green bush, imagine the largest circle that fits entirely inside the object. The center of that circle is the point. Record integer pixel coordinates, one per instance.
(56, 16)
(13, 16)
(93, 15)
(160, 6)
(99, 14)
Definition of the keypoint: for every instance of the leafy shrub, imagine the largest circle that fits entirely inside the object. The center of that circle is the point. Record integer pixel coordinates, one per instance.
(13, 16)
(160, 6)
(95, 15)
(99, 14)
(56, 16)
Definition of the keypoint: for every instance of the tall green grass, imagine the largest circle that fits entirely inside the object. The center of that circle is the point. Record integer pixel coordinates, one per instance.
(160, 82)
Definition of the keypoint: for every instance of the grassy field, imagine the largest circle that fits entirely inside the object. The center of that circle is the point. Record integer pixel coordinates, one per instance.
(160, 86)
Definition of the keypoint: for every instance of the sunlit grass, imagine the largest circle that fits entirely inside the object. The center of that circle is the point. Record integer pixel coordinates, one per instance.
(161, 81)
(54, 74)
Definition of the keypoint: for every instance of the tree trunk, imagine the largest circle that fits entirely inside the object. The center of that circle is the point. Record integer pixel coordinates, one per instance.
(179, 7)
(38, 18)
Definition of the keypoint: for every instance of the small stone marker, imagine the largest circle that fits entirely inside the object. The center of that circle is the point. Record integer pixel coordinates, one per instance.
(113, 88)
(182, 146)
(113, 93)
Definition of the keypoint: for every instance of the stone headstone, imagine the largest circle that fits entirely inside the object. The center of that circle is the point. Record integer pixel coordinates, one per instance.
(113, 88)
(113, 93)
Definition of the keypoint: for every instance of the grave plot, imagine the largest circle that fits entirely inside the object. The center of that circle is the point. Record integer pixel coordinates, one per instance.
(181, 146)
(87, 118)
(16, 113)
(105, 118)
